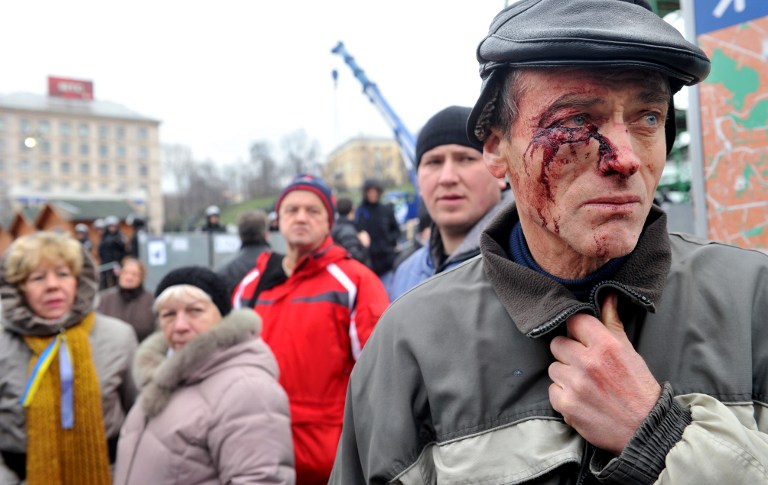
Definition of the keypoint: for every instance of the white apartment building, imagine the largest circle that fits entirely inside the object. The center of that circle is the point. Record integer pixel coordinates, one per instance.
(71, 146)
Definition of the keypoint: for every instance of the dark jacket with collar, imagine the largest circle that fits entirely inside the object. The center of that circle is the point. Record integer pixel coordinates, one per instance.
(470, 349)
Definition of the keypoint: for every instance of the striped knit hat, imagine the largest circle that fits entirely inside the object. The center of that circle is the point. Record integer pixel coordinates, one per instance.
(316, 186)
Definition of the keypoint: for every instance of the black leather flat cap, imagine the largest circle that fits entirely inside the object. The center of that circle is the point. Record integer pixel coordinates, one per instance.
(581, 33)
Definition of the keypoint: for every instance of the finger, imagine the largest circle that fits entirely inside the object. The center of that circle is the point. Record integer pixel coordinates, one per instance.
(582, 326)
(610, 314)
(555, 372)
(558, 400)
(564, 349)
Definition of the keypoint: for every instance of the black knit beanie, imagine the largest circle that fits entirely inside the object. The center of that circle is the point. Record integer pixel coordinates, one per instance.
(448, 127)
(200, 277)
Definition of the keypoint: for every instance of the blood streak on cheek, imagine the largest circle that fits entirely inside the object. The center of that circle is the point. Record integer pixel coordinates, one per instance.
(550, 140)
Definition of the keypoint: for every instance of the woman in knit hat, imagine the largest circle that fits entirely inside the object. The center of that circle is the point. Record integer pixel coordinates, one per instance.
(65, 382)
(210, 409)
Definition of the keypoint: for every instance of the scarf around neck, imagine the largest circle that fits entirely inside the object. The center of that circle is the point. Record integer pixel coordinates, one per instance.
(61, 449)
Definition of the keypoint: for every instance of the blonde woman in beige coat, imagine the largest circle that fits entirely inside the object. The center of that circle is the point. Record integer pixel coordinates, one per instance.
(211, 410)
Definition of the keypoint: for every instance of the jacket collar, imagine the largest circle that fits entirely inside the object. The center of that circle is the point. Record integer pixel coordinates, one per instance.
(537, 304)
(159, 374)
(327, 253)
(470, 246)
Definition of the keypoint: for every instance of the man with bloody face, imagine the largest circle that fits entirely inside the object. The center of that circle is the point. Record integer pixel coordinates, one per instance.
(586, 344)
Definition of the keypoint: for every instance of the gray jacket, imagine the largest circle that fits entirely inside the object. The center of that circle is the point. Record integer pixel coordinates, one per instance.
(469, 403)
(113, 343)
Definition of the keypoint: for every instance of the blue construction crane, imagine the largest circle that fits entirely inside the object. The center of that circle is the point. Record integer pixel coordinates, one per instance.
(403, 136)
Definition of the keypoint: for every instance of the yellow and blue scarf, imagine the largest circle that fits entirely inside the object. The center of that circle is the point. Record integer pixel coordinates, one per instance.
(66, 438)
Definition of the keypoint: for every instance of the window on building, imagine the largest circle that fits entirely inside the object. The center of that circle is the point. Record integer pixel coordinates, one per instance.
(85, 168)
(103, 150)
(121, 189)
(143, 170)
(45, 146)
(84, 130)
(120, 132)
(44, 127)
(103, 131)
(65, 128)
(66, 167)
(85, 186)
(64, 184)
(24, 125)
(64, 148)
(120, 151)
(142, 133)
(84, 149)
(24, 182)
(25, 165)
(103, 169)
(104, 185)
(143, 153)
(45, 166)
(122, 170)
(44, 186)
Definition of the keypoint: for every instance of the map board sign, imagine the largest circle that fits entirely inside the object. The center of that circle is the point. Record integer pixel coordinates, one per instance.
(733, 112)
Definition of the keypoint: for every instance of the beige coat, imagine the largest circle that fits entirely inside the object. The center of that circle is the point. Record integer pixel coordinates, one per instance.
(212, 412)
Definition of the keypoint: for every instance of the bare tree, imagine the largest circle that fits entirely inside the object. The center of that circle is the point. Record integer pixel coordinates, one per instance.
(197, 184)
(265, 180)
(178, 163)
(301, 153)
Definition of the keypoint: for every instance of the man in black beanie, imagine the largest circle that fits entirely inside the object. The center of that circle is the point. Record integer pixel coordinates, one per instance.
(587, 344)
(460, 195)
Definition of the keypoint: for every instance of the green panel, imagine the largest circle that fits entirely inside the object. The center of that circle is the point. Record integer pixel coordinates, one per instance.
(740, 81)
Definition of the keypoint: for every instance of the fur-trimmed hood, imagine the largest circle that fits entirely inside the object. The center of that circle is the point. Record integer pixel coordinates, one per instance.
(17, 317)
(233, 341)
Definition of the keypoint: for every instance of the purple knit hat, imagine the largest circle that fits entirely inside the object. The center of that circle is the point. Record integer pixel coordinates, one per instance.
(316, 186)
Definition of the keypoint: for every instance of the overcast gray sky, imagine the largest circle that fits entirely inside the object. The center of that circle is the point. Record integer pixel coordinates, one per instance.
(220, 75)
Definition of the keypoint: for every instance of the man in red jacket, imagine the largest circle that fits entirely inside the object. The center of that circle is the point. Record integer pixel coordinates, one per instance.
(318, 307)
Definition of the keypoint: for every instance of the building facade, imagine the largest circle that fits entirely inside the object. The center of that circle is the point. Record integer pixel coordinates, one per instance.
(69, 145)
(361, 158)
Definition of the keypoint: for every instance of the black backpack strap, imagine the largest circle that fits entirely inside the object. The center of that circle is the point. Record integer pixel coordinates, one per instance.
(271, 276)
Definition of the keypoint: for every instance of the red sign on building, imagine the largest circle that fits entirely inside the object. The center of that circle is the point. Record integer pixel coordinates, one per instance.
(70, 88)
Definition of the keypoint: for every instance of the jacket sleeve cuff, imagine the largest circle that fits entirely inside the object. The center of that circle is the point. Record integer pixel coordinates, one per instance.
(643, 459)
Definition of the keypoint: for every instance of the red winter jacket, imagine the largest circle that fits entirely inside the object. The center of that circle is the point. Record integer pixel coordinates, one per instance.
(316, 322)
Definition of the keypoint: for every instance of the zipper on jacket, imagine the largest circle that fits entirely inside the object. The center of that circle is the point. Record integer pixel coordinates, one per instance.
(559, 319)
(621, 287)
(584, 468)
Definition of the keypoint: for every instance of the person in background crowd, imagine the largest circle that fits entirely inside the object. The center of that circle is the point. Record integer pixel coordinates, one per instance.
(82, 234)
(378, 220)
(65, 382)
(588, 344)
(212, 224)
(319, 306)
(210, 409)
(422, 230)
(139, 224)
(112, 250)
(345, 233)
(129, 301)
(459, 193)
(254, 232)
